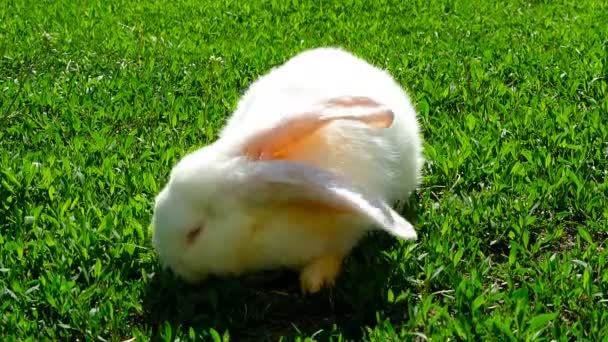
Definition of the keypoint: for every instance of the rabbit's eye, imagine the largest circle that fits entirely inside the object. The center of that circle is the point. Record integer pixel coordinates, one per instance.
(193, 234)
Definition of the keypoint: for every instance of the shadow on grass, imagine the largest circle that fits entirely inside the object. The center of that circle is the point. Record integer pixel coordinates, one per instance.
(267, 305)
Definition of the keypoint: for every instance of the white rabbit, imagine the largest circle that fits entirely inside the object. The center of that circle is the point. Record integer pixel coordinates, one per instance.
(311, 159)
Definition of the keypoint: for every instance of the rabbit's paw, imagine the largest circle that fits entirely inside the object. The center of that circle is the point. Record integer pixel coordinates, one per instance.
(319, 273)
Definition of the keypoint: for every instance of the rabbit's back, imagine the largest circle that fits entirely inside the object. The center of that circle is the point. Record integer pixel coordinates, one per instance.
(386, 161)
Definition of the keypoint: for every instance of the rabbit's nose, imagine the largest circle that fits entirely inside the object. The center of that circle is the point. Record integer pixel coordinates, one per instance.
(192, 235)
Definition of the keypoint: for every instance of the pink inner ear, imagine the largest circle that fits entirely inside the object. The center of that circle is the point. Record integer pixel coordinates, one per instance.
(362, 109)
(381, 118)
(269, 144)
(349, 101)
(280, 139)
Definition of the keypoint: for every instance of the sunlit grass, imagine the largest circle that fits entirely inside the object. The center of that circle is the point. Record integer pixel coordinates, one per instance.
(98, 100)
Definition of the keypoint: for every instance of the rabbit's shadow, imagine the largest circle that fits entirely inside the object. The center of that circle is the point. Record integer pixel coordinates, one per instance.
(267, 305)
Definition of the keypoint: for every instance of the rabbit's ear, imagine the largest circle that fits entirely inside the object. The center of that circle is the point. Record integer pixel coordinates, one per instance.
(280, 181)
(277, 140)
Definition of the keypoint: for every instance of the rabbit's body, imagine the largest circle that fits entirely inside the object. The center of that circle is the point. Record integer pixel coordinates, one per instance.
(301, 170)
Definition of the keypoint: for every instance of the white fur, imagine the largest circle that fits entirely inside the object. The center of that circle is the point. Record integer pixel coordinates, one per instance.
(388, 161)
(218, 187)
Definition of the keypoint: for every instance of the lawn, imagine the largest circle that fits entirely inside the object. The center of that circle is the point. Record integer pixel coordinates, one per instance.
(98, 99)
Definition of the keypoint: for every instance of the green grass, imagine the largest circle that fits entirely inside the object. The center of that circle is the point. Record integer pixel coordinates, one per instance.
(98, 99)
